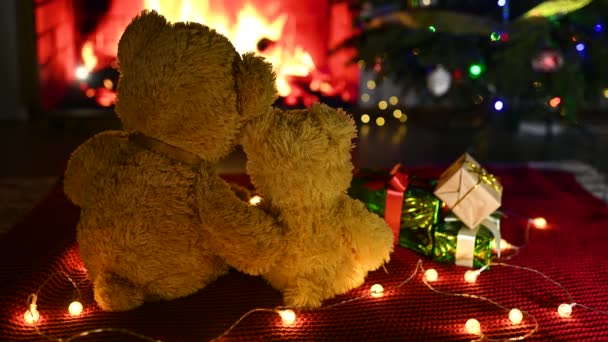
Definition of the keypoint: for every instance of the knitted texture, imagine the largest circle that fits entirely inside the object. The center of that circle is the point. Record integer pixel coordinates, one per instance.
(571, 250)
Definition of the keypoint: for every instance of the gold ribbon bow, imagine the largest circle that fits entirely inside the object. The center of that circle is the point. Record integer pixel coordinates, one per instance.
(484, 176)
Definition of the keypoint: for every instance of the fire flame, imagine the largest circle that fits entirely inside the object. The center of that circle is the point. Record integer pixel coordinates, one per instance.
(250, 28)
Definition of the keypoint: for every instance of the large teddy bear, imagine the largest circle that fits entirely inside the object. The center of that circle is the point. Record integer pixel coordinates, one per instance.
(300, 162)
(184, 95)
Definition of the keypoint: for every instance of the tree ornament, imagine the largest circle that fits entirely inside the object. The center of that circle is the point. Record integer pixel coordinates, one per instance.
(439, 81)
(548, 60)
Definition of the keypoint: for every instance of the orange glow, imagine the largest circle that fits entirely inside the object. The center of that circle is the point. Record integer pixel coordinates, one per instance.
(554, 102)
(251, 27)
(88, 56)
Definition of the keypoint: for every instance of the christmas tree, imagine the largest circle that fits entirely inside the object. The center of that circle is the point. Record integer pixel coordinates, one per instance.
(521, 58)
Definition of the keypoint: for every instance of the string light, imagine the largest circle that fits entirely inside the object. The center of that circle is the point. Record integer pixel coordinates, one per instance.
(605, 92)
(380, 121)
(382, 105)
(402, 118)
(554, 102)
(598, 28)
(564, 310)
(473, 327)
(431, 275)
(499, 105)
(393, 100)
(475, 70)
(397, 113)
(371, 84)
(288, 316)
(365, 118)
(470, 276)
(501, 3)
(81, 73)
(516, 316)
(255, 200)
(365, 97)
(495, 36)
(377, 290)
(539, 222)
(580, 47)
(32, 315)
(75, 308)
(432, 28)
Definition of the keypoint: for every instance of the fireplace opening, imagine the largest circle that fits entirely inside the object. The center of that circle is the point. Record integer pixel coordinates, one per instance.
(77, 42)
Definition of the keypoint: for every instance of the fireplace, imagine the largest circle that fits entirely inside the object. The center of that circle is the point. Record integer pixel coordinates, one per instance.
(77, 40)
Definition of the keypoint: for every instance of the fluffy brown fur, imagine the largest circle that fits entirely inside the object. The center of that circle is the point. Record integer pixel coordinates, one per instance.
(300, 162)
(146, 219)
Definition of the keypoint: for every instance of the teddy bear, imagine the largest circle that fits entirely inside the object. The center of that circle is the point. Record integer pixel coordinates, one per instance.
(300, 163)
(184, 95)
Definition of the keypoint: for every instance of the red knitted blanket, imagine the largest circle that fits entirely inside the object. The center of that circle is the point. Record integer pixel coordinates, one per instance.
(571, 250)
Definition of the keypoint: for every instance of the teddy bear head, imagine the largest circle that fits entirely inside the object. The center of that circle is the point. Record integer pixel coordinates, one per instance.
(186, 85)
(300, 157)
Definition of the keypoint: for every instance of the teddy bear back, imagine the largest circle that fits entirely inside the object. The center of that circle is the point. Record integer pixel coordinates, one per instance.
(177, 85)
(301, 157)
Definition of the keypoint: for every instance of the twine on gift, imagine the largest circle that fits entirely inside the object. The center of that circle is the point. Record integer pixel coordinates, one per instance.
(394, 200)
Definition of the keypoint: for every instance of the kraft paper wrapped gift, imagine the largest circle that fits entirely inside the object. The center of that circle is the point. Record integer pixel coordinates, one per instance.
(469, 191)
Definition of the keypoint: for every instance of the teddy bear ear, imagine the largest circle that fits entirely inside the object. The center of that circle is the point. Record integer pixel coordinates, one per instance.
(140, 32)
(256, 85)
(335, 122)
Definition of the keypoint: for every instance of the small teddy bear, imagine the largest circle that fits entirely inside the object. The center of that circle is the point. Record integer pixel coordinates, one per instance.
(300, 162)
(184, 95)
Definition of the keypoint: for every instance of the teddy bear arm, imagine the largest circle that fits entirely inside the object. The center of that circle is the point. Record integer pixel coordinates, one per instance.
(370, 236)
(245, 236)
(87, 161)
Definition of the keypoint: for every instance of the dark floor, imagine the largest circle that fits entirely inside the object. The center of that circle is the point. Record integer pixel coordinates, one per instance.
(40, 148)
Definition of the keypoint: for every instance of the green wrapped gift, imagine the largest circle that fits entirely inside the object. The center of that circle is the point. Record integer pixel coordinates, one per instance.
(417, 215)
(456, 243)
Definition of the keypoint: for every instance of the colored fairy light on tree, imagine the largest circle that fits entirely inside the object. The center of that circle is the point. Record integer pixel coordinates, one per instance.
(475, 70)
(598, 28)
(554, 102)
(580, 47)
(495, 36)
(501, 3)
(499, 105)
(432, 28)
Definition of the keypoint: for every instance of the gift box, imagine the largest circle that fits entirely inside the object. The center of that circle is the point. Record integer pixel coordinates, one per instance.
(456, 243)
(383, 195)
(469, 191)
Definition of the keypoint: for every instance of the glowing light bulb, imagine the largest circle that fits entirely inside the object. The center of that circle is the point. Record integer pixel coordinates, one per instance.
(564, 310)
(432, 28)
(580, 47)
(475, 70)
(81, 72)
(605, 93)
(499, 105)
(108, 83)
(539, 222)
(288, 316)
(365, 118)
(32, 315)
(380, 121)
(473, 327)
(371, 84)
(393, 100)
(470, 276)
(75, 308)
(377, 290)
(365, 97)
(501, 3)
(397, 113)
(515, 316)
(382, 105)
(431, 275)
(403, 118)
(554, 102)
(495, 36)
(255, 200)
